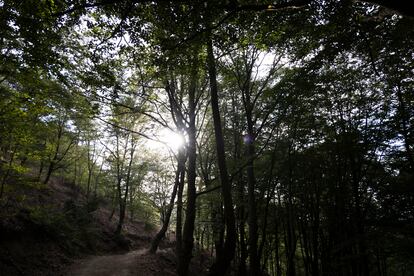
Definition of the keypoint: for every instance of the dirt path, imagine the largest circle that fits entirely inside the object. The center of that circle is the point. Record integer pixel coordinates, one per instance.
(110, 265)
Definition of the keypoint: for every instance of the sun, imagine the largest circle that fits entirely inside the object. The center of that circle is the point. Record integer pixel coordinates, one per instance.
(165, 140)
(173, 139)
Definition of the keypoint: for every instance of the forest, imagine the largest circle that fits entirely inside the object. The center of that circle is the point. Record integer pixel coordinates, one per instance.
(247, 137)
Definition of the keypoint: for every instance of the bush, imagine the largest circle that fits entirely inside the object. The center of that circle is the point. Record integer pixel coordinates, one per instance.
(73, 228)
(49, 223)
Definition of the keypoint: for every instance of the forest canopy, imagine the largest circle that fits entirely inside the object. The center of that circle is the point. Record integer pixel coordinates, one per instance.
(276, 135)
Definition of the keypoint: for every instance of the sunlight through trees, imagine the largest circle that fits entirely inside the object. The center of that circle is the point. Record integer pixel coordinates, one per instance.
(274, 137)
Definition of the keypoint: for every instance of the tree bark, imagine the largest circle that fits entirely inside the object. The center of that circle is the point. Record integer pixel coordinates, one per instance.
(185, 253)
(52, 163)
(179, 225)
(221, 264)
(254, 261)
(124, 197)
(7, 173)
(161, 233)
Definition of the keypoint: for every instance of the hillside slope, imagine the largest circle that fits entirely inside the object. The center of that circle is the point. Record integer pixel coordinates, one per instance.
(44, 229)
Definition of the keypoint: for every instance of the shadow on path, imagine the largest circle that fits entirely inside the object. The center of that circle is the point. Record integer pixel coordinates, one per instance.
(110, 265)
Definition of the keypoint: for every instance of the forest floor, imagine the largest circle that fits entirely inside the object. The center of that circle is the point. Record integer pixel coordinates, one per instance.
(52, 231)
(137, 262)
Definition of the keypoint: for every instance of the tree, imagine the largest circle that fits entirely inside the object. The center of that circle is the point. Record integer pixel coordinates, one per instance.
(321, 182)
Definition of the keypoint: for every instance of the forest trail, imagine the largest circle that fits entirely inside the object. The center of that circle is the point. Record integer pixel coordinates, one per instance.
(137, 262)
(109, 265)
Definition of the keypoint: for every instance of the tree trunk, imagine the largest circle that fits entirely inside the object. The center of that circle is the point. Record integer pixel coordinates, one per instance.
(123, 197)
(254, 261)
(55, 154)
(6, 175)
(49, 172)
(240, 209)
(56, 158)
(221, 264)
(179, 226)
(404, 129)
(242, 234)
(119, 191)
(185, 253)
(90, 168)
(161, 233)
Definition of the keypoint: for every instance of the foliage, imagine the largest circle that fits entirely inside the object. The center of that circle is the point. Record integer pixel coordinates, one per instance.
(316, 111)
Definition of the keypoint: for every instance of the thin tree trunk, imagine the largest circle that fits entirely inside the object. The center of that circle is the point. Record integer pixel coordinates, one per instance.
(179, 226)
(185, 253)
(41, 167)
(254, 261)
(6, 175)
(404, 128)
(55, 155)
(270, 192)
(90, 168)
(123, 199)
(161, 233)
(95, 189)
(242, 234)
(243, 254)
(277, 239)
(49, 172)
(56, 158)
(119, 168)
(121, 208)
